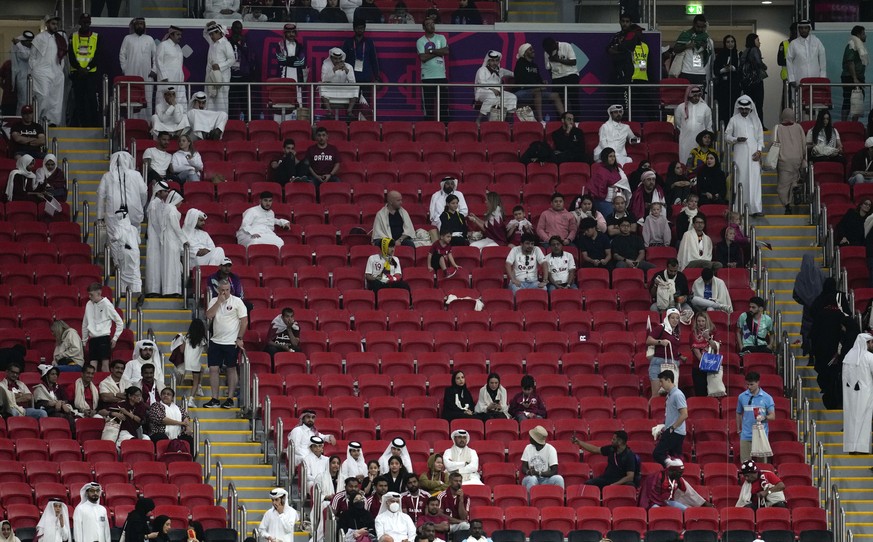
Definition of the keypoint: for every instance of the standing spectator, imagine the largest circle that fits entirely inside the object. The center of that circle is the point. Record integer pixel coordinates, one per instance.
(137, 525)
(28, 137)
(492, 403)
(173, 241)
(168, 65)
(726, 70)
(695, 249)
(753, 406)
(754, 71)
(47, 69)
(539, 461)
(857, 405)
(458, 402)
(711, 181)
(666, 341)
(569, 141)
(692, 117)
(830, 315)
(557, 222)
(561, 266)
(594, 247)
(305, 13)
(669, 288)
(316, 464)
(83, 74)
(97, 322)
(288, 168)
(528, 73)
(855, 59)
(622, 48)
(383, 269)
(560, 59)
(21, 48)
(754, 328)
(527, 404)
(467, 13)
(807, 287)
(229, 320)
(823, 140)
(673, 434)
(607, 181)
(656, 229)
(53, 526)
(278, 523)
(629, 250)
(614, 134)
(761, 488)
(710, 293)
(393, 222)
(806, 55)
(155, 211)
(697, 52)
(259, 222)
(493, 98)
(16, 397)
(219, 60)
(332, 13)
(432, 50)
(68, 354)
(362, 54)
(401, 15)
(455, 504)
(745, 132)
(522, 265)
(323, 159)
(241, 70)
(702, 340)
(90, 518)
(291, 57)
(284, 334)
(621, 462)
(193, 344)
(137, 56)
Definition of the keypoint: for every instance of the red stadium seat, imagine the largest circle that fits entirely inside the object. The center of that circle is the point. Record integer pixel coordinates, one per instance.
(594, 518)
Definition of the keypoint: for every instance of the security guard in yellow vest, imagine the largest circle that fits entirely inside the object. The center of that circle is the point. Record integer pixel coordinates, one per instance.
(83, 73)
(641, 63)
(782, 56)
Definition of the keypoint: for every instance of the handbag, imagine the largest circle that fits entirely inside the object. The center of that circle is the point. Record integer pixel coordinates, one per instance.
(857, 103)
(760, 442)
(676, 64)
(710, 362)
(671, 365)
(715, 381)
(771, 161)
(111, 430)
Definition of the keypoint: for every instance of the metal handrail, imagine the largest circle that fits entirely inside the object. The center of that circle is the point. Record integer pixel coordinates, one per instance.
(138, 322)
(289, 455)
(186, 262)
(86, 222)
(267, 414)
(196, 434)
(232, 503)
(830, 251)
(245, 382)
(243, 523)
(279, 445)
(198, 281)
(823, 220)
(104, 106)
(302, 486)
(815, 201)
(255, 403)
(219, 480)
(207, 461)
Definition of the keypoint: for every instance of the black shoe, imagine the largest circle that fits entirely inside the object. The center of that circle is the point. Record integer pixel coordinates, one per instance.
(226, 404)
(212, 403)
(787, 209)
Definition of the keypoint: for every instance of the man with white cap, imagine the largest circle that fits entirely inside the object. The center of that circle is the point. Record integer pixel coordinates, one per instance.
(315, 461)
(806, 55)
(230, 319)
(528, 73)
(493, 96)
(137, 57)
(258, 223)
(90, 519)
(858, 395)
(615, 135)
(691, 117)
(392, 521)
(668, 488)
(168, 65)
(47, 68)
(461, 458)
(448, 187)
(396, 448)
(336, 71)
(278, 522)
(300, 436)
(153, 243)
(219, 60)
(21, 47)
(539, 461)
(745, 133)
(170, 115)
(200, 244)
(144, 352)
(204, 123)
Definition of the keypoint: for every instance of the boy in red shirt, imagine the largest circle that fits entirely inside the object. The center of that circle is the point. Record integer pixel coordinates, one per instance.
(441, 254)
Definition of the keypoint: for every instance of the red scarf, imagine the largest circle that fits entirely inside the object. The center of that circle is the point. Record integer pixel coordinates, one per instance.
(61, 42)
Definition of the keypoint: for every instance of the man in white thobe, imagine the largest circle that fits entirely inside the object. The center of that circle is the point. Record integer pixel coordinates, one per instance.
(202, 249)
(278, 522)
(21, 47)
(315, 462)
(144, 352)
(391, 520)
(219, 60)
(170, 115)
(172, 243)
(747, 135)
(691, 117)
(153, 243)
(121, 197)
(168, 65)
(258, 224)
(137, 57)
(48, 66)
(221, 9)
(806, 55)
(490, 96)
(448, 187)
(615, 135)
(858, 395)
(205, 124)
(90, 519)
(462, 459)
(300, 436)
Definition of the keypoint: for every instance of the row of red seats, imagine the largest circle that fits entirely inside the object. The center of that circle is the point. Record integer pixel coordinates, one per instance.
(16, 228)
(114, 494)
(57, 444)
(28, 211)
(140, 472)
(838, 192)
(210, 517)
(50, 292)
(45, 252)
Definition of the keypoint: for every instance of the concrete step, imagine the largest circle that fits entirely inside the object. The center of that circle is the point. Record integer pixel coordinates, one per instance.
(75, 133)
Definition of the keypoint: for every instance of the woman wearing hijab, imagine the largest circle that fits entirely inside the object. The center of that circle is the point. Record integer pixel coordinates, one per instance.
(828, 312)
(467, 13)
(678, 184)
(754, 73)
(50, 179)
(823, 140)
(54, 525)
(493, 96)
(726, 70)
(608, 179)
(807, 287)
(357, 522)
(435, 478)
(161, 526)
(792, 156)
(858, 395)
(458, 402)
(21, 181)
(492, 403)
(330, 482)
(137, 526)
(850, 230)
(711, 181)
(383, 269)
(666, 340)
(51, 397)
(335, 71)
(6, 532)
(167, 421)
(354, 465)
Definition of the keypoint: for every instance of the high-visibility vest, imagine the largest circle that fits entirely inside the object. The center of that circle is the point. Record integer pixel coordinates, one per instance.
(784, 72)
(84, 48)
(640, 59)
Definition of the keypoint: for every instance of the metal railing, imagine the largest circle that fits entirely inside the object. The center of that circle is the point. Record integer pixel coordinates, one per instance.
(245, 382)
(186, 263)
(207, 461)
(198, 284)
(811, 91)
(279, 444)
(266, 414)
(219, 481)
(232, 503)
(195, 453)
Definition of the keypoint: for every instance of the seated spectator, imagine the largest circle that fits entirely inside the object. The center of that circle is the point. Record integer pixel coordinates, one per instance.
(467, 13)
(50, 180)
(357, 523)
(522, 265)
(205, 123)
(711, 181)
(323, 159)
(635, 178)
(666, 339)
(383, 269)
(331, 13)
(367, 482)
(695, 250)
(151, 390)
(354, 466)
(86, 398)
(52, 398)
(396, 448)
(760, 487)
(393, 222)
(607, 180)
(492, 97)
(28, 137)
(369, 12)
(305, 13)
(861, 168)
(686, 216)
(669, 288)
(201, 247)
(427, 533)
(614, 134)
(850, 229)
(492, 224)
(400, 14)
(169, 116)
(697, 158)
(561, 267)
(221, 9)
(678, 183)
(159, 160)
(582, 207)
(145, 352)
(69, 354)
(315, 462)
(414, 500)
(710, 293)
(336, 71)
(284, 334)
(458, 402)
(647, 193)
(166, 421)
(111, 392)
(441, 258)
(435, 478)
(823, 140)
(256, 15)
(734, 222)
(656, 228)
(378, 489)
(594, 247)
(258, 224)
(193, 345)
(755, 328)
(702, 339)
(224, 273)
(539, 461)
(492, 403)
(6, 532)
(527, 404)
(669, 488)
(434, 516)
(629, 250)
(477, 532)
(288, 168)
(131, 413)
(454, 221)
(455, 504)
(16, 396)
(619, 211)
(569, 141)
(528, 73)
(275, 10)
(21, 182)
(622, 467)
(187, 164)
(396, 474)
(518, 226)
(438, 201)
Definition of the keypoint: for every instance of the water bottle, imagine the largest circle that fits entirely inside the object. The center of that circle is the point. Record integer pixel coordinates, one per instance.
(242, 116)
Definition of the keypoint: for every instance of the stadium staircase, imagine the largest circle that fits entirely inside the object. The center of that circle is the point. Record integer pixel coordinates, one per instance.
(539, 11)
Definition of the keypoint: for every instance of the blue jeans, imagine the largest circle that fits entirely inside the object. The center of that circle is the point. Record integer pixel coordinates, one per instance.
(525, 285)
(673, 504)
(30, 412)
(529, 481)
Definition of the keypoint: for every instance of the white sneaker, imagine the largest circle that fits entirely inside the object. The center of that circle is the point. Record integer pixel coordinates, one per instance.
(199, 392)
(191, 403)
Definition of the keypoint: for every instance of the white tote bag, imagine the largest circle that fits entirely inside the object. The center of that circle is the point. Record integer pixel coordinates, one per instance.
(760, 442)
(771, 161)
(857, 103)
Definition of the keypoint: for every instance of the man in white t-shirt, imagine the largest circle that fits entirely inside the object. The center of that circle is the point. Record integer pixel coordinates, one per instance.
(539, 461)
(522, 265)
(561, 266)
(229, 321)
(560, 60)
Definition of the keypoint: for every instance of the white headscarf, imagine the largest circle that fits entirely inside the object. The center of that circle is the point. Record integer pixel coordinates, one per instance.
(856, 355)
(667, 327)
(21, 166)
(339, 53)
(352, 466)
(753, 115)
(396, 442)
(12, 537)
(191, 218)
(49, 529)
(174, 198)
(856, 44)
(83, 492)
(43, 173)
(493, 54)
(385, 498)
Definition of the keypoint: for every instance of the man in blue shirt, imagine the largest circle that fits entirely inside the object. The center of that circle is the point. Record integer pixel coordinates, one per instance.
(753, 406)
(673, 434)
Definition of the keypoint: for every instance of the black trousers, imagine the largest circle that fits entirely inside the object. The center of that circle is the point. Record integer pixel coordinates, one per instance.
(573, 103)
(86, 97)
(670, 444)
(429, 95)
(114, 7)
